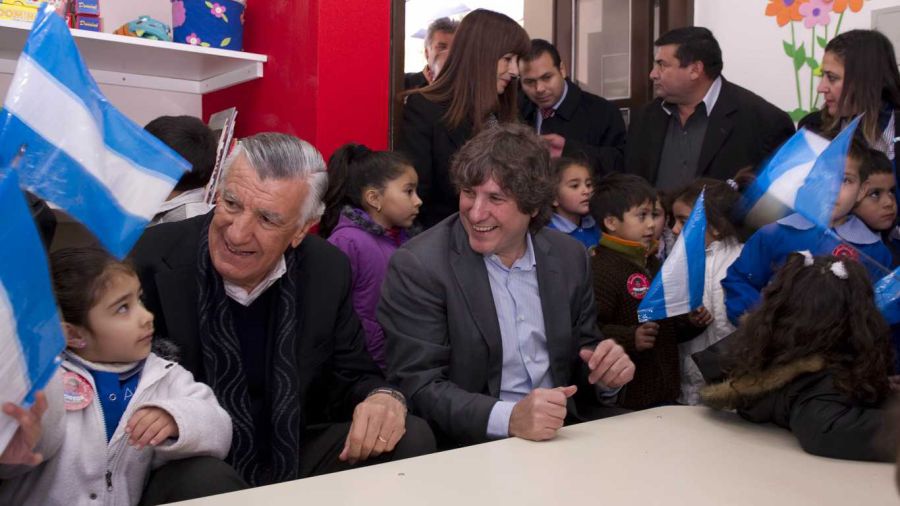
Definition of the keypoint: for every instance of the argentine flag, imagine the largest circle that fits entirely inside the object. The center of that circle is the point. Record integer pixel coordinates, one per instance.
(81, 153)
(30, 334)
(803, 176)
(887, 296)
(678, 288)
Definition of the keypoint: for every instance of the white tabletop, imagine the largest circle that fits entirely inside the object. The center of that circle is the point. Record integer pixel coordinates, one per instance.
(667, 456)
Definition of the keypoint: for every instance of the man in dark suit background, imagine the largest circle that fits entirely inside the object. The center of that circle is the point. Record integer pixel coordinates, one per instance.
(437, 44)
(262, 313)
(572, 122)
(489, 316)
(699, 124)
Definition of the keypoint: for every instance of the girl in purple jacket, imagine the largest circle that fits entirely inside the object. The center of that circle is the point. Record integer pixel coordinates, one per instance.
(371, 204)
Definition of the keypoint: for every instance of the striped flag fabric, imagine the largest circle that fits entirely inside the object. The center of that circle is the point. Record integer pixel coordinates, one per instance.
(31, 337)
(678, 287)
(80, 153)
(803, 176)
(887, 296)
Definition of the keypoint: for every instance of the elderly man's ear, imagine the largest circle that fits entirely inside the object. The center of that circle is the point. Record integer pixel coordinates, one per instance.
(301, 232)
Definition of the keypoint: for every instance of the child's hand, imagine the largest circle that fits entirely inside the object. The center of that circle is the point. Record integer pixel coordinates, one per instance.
(700, 317)
(20, 449)
(150, 426)
(645, 336)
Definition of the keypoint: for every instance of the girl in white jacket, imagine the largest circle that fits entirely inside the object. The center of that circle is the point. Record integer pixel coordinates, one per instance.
(127, 411)
(722, 248)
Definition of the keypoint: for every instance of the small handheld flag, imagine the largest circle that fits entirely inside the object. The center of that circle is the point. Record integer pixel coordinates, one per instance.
(30, 334)
(887, 296)
(82, 154)
(678, 288)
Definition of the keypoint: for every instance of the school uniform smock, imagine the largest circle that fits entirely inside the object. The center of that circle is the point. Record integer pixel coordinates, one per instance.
(766, 251)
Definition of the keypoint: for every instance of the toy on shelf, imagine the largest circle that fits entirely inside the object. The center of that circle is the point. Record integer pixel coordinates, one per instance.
(146, 27)
(86, 15)
(209, 23)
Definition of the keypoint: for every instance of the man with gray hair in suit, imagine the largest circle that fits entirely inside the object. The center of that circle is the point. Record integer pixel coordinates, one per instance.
(262, 313)
(437, 46)
(489, 316)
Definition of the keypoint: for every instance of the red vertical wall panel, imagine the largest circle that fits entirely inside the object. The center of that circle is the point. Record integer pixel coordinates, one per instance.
(328, 76)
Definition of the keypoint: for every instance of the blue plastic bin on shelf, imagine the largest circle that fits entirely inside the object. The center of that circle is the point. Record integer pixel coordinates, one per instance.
(209, 23)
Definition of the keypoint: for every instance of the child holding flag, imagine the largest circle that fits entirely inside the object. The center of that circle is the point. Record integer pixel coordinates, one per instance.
(128, 410)
(767, 249)
(723, 246)
(622, 271)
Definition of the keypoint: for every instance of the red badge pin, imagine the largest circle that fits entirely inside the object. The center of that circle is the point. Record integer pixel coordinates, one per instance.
(77, 392)
(638, 284)
(842, 250)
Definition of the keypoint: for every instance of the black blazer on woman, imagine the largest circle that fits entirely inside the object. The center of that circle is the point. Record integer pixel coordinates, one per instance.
(430, 145)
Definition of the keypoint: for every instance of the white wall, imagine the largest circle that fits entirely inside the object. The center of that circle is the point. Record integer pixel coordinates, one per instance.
(752, 45)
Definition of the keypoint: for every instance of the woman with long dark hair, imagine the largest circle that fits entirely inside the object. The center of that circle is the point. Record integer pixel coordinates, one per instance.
(475, 89)
(859, 76)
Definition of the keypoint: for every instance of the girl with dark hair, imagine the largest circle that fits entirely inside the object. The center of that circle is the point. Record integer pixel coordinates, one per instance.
(859, 76)
(814, 358)
(370, 205)
(723, 246)
(475, 88)
(127, 410)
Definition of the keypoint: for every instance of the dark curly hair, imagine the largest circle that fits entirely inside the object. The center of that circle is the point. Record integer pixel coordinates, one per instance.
(515, 158)
(808, 310)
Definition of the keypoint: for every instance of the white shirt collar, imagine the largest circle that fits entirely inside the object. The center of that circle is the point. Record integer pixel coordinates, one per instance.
(852, 230)
(245, 298)
(710, 99)
(188, 197)
(564, 225)
(526, 262)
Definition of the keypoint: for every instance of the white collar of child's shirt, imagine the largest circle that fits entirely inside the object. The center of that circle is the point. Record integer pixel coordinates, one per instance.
(564, 225)
(245, 298)
(852, 230)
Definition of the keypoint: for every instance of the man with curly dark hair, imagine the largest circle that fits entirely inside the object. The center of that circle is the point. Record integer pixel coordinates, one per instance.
(489, 316)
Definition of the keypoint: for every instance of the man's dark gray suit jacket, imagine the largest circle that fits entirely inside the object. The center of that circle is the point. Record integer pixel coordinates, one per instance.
(443, 339)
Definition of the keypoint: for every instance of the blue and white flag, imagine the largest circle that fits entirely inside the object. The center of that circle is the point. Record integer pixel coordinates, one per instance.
(30, 334)
(887, 296)
(803, 176)
(81, 153)
(678, 288)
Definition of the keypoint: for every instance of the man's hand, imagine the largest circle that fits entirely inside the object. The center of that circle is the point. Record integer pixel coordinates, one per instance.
(540, 414)
(700, 317)
(150, 426)
(378, 424)
(20, 450)
(555, 143)
(645, 336)
(609, 364)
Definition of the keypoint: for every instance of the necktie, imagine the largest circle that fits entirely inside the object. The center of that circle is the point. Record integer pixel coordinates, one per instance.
(548, 113)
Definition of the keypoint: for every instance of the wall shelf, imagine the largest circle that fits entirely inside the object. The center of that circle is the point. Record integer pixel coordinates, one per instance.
(141, 63)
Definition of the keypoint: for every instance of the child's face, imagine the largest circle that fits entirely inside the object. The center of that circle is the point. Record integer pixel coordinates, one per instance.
(121, 329)
(877, 206)
(849, 193)
(573, 195)
(398, 201)
(636, 224)
(681, 211)
(659, 219)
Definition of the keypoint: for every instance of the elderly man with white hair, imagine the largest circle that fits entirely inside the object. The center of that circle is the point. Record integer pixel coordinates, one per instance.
(262, 313)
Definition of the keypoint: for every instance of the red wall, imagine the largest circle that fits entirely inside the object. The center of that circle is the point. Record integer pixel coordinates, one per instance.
(328, 76)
